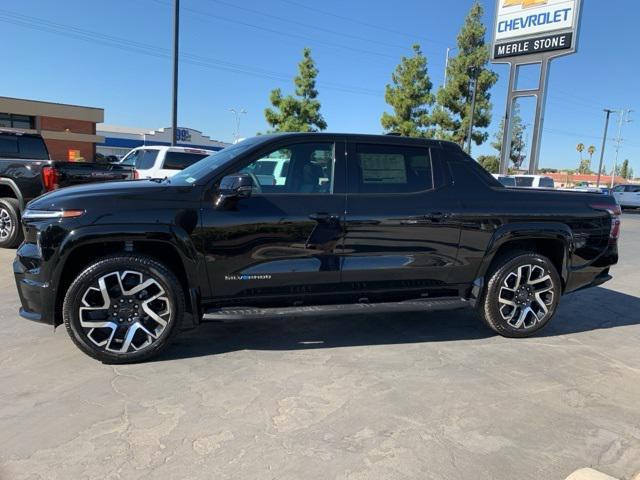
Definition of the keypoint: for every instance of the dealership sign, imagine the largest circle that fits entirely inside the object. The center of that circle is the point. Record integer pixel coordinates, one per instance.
(527, 27)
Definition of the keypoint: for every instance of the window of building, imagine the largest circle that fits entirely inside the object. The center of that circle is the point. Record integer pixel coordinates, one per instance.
(10, 120)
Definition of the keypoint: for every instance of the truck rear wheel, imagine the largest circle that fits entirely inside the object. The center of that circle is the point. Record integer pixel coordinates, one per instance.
(522, 294)
(123, 309)
(11, 234)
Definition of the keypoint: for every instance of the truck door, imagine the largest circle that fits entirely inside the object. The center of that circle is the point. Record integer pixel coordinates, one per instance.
(401, 237)
(282, 242)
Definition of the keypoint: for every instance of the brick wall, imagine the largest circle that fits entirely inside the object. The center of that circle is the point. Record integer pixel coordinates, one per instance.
(58, 149)
(62, 124)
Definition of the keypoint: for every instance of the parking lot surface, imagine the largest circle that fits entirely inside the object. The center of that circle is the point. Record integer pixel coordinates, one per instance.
(376, 396)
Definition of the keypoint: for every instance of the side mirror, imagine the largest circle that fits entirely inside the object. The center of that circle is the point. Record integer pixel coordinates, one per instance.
(234, 187)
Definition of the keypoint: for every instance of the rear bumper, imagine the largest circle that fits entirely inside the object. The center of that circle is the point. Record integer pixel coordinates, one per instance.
(37, 295)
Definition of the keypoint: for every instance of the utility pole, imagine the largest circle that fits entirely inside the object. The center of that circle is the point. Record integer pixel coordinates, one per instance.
(624, 118)
(446, 65)
(237, 113)
(474, 85)
(604, 143)
(176, 33)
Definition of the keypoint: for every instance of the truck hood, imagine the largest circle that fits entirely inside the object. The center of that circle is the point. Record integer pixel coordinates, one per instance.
(90, 194)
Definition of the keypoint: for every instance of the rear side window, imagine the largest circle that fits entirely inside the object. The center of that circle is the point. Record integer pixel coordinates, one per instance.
(142, 159)
(524, 181)
(23, 147)
(547, 182)
(391, 169)
(181, 160)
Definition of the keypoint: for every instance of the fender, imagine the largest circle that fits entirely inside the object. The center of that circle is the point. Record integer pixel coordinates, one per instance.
(173, 237)
(14, 188)
(525, 231)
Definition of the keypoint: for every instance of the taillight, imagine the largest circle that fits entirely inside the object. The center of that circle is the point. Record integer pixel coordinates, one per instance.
(50, 178)
(616, 212)
(136, 175)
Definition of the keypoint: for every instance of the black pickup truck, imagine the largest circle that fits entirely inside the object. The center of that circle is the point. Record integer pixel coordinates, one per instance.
(360, 222)
(27, 172)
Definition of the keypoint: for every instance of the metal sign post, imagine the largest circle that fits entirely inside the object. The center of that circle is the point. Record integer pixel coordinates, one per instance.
(532, 32)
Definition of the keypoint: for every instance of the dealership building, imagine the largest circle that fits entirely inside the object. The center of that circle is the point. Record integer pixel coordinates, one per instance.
(68, 130)
(118, 140)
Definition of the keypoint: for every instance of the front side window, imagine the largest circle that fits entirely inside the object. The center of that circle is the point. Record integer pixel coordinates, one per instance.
(618, 189)
(309, 169)
(391, 169)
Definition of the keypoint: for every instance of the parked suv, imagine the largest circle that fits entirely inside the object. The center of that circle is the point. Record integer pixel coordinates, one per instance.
(627, 195)
(161, 162)
(379, 220)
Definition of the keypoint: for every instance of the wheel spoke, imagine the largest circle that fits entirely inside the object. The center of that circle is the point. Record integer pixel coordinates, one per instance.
(117, 325)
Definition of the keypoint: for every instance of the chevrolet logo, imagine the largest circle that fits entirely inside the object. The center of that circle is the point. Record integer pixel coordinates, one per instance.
(524, 3)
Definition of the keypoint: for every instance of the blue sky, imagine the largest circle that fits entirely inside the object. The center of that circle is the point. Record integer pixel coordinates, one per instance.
(116, 55)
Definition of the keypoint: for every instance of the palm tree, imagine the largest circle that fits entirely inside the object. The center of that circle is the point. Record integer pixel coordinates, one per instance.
(591, 151)
(580, 149)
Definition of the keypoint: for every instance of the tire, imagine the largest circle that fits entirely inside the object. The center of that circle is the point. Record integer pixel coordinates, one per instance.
(11, 234)
(108, 313)
(522, 294)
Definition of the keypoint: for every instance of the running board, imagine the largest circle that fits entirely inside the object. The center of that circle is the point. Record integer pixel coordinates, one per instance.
(249, 313)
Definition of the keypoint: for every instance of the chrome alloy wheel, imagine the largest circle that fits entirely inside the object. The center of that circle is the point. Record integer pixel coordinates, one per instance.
(6, 224)
(124, 311)
(525, 296)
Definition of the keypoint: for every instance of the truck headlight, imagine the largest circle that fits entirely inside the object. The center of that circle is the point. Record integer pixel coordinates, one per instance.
(45, 214)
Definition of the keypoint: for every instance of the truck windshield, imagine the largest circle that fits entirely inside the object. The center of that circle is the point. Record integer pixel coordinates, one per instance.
(207, 165)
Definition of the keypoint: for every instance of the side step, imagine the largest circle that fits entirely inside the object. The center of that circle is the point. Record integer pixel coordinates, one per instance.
(250, 313)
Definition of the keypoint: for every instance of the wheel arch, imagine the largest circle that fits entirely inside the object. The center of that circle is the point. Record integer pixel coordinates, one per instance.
(8, 188)
(554, 241)
(165, 246)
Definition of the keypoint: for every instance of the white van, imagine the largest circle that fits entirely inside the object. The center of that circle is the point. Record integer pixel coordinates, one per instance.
(156, 161)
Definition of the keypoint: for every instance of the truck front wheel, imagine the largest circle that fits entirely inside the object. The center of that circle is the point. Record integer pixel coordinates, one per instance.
(522, 294)
(123, 308)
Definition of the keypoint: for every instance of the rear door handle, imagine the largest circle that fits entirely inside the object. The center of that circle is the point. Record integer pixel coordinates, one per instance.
(323, 217)
(437, 216)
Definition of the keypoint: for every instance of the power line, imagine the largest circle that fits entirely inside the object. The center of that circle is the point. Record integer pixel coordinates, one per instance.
(360, 22)
(162, 53)
(309, 25)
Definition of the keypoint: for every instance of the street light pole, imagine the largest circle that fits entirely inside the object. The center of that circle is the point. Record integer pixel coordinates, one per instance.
(624, 118)
(176, 32)
(446, 65)
(604, 144)
(237, 113)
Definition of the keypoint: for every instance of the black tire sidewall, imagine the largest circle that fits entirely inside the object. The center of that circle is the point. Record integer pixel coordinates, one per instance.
(12, 207)
(491, 307)
(140, 263)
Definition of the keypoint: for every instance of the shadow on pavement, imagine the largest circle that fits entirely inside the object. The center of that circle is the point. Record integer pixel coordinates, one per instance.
(605, 309)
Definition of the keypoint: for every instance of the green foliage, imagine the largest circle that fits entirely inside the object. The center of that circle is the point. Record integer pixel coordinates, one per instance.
(518, 144)
(299, 113)
(624, 169)
(548, 170)
(454, 100)
(410, 97)
(585, 166)
(491, 163)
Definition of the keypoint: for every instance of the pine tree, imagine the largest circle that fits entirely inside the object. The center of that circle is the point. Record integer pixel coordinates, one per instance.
(455, 98)
(518, 144)
(410, 96)
(491, 163)
(624, 170)
(299, 113)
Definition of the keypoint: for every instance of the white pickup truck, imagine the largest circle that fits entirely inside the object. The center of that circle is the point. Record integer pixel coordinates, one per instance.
(156, 161)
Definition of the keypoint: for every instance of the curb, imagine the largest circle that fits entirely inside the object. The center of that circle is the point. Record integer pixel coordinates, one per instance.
(589, 474)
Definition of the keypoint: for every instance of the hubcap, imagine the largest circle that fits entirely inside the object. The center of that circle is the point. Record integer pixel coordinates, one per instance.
(525, 296)
(124, 311)
(6, 224)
